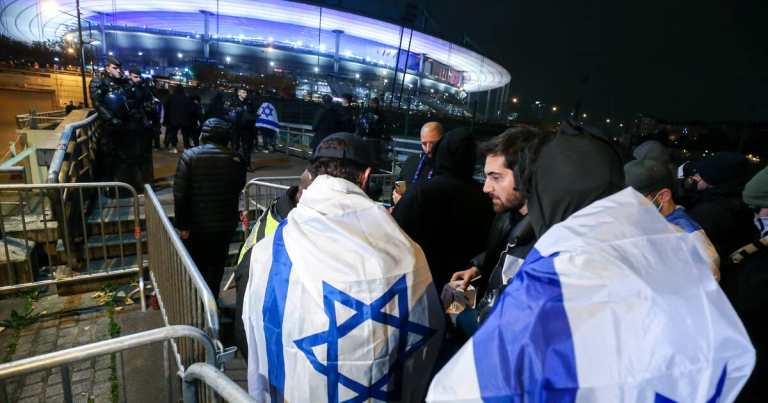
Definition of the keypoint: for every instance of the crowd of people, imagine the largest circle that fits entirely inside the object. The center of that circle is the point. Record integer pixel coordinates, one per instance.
(594, 277)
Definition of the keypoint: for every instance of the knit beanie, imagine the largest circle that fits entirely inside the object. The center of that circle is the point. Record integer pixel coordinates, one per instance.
(756, 191)
(722, 167)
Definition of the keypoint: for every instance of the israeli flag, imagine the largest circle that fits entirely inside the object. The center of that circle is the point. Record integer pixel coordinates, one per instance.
(612, 305)
(340, 304)
(268, 117)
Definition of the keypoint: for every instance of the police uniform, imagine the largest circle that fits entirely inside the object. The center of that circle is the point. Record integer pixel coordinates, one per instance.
(242, 117)
(126, 128)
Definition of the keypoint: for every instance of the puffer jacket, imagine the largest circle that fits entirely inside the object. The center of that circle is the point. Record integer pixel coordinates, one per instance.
(206, 190)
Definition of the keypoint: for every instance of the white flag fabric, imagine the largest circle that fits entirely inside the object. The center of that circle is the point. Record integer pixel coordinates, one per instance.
(612, 305)
(268, 117)
(340, 304)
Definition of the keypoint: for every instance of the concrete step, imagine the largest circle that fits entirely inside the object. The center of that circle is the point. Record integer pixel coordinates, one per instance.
(110, 242)
(115, 266)
(17, 266)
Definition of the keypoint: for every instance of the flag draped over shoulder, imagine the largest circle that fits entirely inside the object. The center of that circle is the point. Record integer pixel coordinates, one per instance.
(612, 305)
(340, 304)
(268, 117)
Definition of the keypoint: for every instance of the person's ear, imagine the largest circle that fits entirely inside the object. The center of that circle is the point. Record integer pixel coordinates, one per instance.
(666, 195)
(364, 178)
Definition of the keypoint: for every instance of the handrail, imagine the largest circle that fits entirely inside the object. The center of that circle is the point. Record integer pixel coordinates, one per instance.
(80, 353)
(209, 303)
(63, 147)
(215, 379)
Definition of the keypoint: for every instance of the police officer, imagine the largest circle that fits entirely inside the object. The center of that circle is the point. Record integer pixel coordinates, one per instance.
(242, 115)
(117, 102)
(148, 102)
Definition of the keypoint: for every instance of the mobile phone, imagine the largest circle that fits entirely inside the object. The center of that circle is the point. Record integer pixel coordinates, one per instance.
(400, 187)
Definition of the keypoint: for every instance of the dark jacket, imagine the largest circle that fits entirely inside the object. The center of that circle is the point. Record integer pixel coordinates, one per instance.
(241, 115)
(745, 282)
(372, 124)
(216, 108)
(327, 121)
(179, 110)
(724, 217)
(511, 235)
(348, 119)
(411, 164)
(278, 210)
(207, 186)
(449, 216)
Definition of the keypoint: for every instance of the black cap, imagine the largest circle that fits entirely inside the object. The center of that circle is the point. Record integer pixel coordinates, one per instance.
(215, 130)
(722, 167)
(134, 70)
(356, 149)
(115, 61)
(327, 99)
(646, 176)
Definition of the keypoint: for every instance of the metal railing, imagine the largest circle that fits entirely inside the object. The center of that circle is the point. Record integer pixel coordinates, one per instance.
(75, 156)
(259, 193)
(181, 291)
(293, 139)
(62, 359)
(25, 219)
(216, 380)
(33, 120)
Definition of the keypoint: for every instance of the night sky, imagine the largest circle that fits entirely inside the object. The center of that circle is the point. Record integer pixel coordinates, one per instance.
(675, 59)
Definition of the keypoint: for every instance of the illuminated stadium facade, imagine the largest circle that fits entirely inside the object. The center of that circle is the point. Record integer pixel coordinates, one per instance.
(325, 49)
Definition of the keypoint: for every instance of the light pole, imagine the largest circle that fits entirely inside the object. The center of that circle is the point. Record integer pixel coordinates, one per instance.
(82, 51)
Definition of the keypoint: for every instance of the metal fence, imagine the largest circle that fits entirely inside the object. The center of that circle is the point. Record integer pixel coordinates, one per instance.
(293, 139)
(259, 193)
(181, 291)
(62, 359)
(34, 120)
(75, 228)
(216, 380)
(75, 157)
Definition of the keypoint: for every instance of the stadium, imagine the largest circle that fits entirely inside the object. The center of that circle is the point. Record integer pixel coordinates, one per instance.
(324, 49)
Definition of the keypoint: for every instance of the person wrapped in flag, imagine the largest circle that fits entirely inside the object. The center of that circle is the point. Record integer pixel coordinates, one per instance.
(613, 304)
(340, 303)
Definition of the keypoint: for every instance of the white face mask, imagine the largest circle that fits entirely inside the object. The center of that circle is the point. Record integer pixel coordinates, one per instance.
(762, 225)
(654, 199)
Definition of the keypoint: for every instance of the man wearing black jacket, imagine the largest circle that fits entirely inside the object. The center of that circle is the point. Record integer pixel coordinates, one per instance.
(206, 194)
(448, 215)
(717, 205)
(421, 166)
(511, 236)
(327, 121)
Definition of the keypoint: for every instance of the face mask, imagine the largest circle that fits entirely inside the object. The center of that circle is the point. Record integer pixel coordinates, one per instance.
(762, 225)
(654, 199)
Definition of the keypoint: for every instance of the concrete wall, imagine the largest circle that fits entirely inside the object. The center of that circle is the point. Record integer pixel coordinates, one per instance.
(65, 87)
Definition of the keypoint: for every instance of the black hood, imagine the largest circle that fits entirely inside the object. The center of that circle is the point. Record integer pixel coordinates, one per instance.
(652, 150)
(456, 154)
(572, 171)
(215, 131)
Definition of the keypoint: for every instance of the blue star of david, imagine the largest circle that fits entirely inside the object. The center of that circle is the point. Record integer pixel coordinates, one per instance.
(267, 111)
(714, 399)
(363, 313)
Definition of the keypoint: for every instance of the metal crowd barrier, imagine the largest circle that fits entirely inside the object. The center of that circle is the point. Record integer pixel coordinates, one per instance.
(293, 139)
(25, 219)
(181, 291)
(259, 193)
(75, 157)
(33, 119)
(62, 359)
(216, 380)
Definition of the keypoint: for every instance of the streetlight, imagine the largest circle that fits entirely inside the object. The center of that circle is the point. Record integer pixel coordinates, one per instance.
(141, 53)
(180, 55)
(554, 109)
(229, 59)
(584, 115)
(621, 124)
(316, 69)
(80, 36)
(357, 75)
(607, 120)
(514, 100)
(271, 63)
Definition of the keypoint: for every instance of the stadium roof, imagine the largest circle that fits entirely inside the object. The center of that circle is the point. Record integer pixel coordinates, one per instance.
(281, 21)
